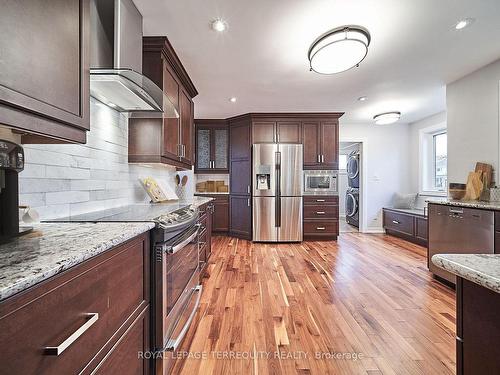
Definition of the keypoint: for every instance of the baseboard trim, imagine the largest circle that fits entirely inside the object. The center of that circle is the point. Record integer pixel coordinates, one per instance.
(374, 230)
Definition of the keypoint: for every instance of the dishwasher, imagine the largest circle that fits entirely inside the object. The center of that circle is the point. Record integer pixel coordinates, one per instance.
(458, 230)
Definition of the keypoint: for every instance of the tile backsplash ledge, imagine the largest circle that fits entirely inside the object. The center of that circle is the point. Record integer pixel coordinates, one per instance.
(60, 180)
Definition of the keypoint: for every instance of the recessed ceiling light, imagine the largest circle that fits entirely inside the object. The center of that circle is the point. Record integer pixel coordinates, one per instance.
(232, 100)
(462, 24)
(339, 49)
(387, 118)
(219, 25)
(362, 98)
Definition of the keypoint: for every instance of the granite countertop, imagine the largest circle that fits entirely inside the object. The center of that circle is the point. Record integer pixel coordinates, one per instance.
(138, 212)
(198, 193)
(54, 247)
(495, 206)
(482, 269)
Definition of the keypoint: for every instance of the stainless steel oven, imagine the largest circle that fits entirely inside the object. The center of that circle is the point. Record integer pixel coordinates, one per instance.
(320, 181)
(177, 288)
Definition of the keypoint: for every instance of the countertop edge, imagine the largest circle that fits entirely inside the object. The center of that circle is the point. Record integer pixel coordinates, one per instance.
(474, 275)
(28, 282)
(493, 206)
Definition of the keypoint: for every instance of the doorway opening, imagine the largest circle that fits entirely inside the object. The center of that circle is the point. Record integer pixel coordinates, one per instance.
(350, 187)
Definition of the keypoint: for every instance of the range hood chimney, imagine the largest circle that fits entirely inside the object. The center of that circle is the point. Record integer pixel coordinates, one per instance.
(116, 62)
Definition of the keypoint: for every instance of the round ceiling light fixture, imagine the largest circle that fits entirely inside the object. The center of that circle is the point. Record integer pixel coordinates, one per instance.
(339, 49)
(462, 24)
(387, 118)
(233, 99)
(219, 25)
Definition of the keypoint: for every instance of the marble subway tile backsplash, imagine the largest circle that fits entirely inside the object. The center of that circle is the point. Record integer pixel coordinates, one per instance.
(59, 180)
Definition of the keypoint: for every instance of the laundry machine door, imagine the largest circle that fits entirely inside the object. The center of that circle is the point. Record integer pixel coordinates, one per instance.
(353, 166)
(351, 205)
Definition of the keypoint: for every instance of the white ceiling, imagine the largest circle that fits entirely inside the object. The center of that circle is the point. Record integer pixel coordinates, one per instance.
(262, 57)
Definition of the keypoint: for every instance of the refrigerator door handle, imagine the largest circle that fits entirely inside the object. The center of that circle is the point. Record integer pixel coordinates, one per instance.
(278, 190)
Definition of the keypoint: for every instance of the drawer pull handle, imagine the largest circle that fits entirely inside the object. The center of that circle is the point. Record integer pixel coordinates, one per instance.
(56, 350)
(320, 228)
(320, 212)
(172, 343)
(320, 200)
(395, 222)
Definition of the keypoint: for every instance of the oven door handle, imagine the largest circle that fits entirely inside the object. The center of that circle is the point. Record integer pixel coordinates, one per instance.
(173, 344)
(172, 249)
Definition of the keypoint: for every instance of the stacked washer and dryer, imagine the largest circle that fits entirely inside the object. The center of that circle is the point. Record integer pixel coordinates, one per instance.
(352, 195)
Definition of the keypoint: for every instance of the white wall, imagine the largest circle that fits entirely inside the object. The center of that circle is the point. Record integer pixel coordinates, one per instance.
(387, 155)
(473, 121)
(431, 121)
(60, 180)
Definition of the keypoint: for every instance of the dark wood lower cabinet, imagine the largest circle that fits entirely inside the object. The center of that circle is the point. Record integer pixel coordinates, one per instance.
(126, 356)
(220, 214)
(321, 217)
(478, 329)
(241, 216)
(205, 238)
(111, 290)
(406, 224)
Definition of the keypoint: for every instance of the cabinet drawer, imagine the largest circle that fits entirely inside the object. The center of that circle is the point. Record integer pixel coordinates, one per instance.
(398, 222)
(321, 200)
(321, 212)
(315, 227)
(112, 287)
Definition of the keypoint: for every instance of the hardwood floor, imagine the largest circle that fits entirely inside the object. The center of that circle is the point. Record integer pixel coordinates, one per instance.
(272, 309)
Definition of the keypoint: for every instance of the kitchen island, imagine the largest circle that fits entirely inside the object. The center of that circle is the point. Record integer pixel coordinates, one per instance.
(478, 304)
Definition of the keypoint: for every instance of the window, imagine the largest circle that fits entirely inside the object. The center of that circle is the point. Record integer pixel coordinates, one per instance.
(433, 160)
(342, 162)
(440, 158)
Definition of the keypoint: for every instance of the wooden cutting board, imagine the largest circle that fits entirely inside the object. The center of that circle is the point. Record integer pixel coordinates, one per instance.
(487, 170)
(474, 186)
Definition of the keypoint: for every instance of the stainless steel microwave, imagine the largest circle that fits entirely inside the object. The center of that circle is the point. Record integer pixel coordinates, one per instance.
(320, 181)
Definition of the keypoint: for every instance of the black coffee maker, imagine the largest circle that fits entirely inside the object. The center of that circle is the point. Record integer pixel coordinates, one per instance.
(11, 163)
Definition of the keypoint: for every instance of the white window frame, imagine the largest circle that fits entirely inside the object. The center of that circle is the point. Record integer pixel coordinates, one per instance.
(427, 160)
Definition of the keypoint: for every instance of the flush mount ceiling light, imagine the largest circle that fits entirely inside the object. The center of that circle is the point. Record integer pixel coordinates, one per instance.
(232, 100)
(362, 98)
(387, 118)
(219, 25)
(339, 49)
(462, 24)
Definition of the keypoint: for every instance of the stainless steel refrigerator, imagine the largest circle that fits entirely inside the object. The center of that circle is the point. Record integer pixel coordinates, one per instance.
(277, 192)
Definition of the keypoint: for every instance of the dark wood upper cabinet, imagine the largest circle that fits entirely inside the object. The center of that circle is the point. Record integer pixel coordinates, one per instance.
(240, 141)
(310, 136)
(264, 131)
(329, 140)
(175, 143)
(276, 131)
(44, 69)
(212, 146)
(289, 132)
(320, 139)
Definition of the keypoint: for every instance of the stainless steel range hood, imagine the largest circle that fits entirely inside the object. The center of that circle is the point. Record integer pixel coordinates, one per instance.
(116, 62)
(128, 91)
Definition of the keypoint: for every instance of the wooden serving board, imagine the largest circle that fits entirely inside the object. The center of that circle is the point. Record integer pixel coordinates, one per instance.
(487, 171)
(474, 186)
